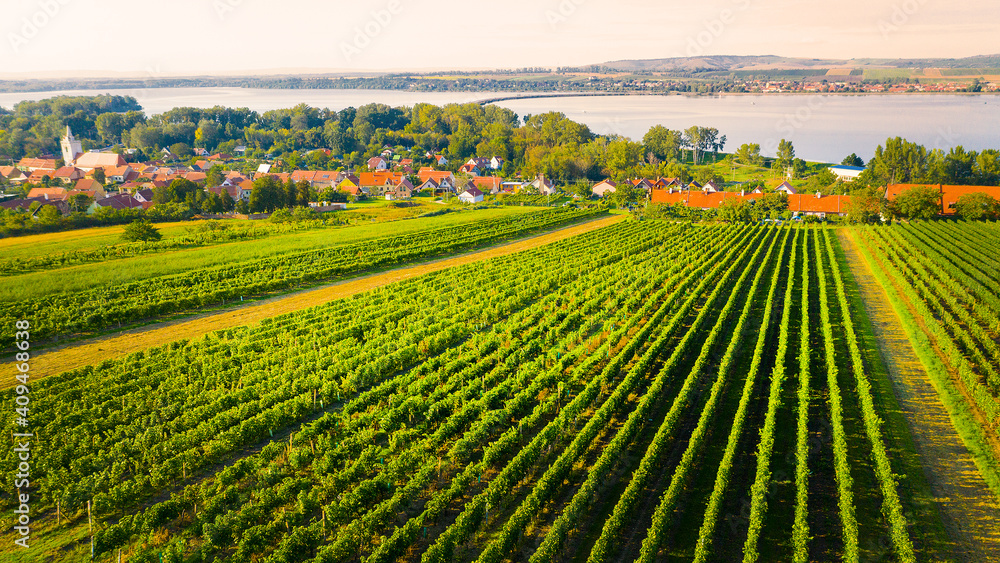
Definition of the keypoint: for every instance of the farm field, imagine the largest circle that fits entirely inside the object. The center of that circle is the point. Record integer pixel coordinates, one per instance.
(647, 391)
(57, 251)
(942, 279)
(96, 350)
(178, 284)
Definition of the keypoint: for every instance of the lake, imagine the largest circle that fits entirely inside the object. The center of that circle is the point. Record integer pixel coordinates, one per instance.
(824, 128)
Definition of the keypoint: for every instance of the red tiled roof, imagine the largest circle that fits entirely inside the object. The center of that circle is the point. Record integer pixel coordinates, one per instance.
(797, 203)
(379, 178)
(949, 193)
(487, 182)
(48, 193)
(32, 163)
(99, 160)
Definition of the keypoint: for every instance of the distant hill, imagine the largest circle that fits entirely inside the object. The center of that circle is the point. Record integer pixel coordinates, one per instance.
(716, 63)
(727, 63)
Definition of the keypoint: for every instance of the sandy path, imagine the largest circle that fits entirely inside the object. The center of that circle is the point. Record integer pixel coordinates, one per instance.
(968, 508)
(87, 352)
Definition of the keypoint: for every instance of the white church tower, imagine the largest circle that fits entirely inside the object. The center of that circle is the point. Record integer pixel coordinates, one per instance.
(71, 147)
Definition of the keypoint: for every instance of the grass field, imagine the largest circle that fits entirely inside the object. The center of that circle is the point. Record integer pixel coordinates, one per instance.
(81, 239)
(80, 278)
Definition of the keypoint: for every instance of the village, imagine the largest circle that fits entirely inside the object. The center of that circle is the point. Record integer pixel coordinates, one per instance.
(87, 182)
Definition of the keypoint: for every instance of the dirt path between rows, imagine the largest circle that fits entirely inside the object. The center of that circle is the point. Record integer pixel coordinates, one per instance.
(967, 505)
(93, 351)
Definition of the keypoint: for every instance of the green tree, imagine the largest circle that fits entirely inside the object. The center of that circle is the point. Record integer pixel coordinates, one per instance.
(977, 206)
(182, 150)
(785, 156)
(622, 157)
(920, 202)
(49, 215)
(866, 206)
(80, 202)
(665, 144)
(626, 194)
(734, 210)
(798, 167)
(986, 171)
(749, 154)
(110, 127)
(98, 175)
(899, 162)
(770, 206)
(304, 193)
(140, 229)
(268, 194)
(852, 160)
(214, 176)
(708, 174)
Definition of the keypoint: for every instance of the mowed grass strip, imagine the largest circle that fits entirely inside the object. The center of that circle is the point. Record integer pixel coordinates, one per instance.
(94, 351)
(90, 238)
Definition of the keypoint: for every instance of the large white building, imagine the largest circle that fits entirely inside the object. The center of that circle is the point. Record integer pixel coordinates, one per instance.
(847, 173)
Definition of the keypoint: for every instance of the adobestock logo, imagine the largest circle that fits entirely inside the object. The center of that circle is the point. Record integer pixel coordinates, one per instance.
(31, 26)
(562, 13)
(900, 17)
(712, 30)
(363, 36)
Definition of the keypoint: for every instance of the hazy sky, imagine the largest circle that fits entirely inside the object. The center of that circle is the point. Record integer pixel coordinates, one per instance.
(161, 37)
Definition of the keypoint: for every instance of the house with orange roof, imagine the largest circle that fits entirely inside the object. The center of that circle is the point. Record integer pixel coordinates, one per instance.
(487, 184)
(91, 185)
(38, 175)
(318, 179)
(378, 183)
(120, 174)
(429, 185)
(13, 174)
(196, 177)
(443, 178)
(68, 174)
(818, 205)
(402, 190)
(31, 164)
(949, 193)
(799, 204)
(377, 163)
(53, 194)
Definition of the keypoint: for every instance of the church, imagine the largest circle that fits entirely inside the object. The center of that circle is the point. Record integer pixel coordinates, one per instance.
(71, 147)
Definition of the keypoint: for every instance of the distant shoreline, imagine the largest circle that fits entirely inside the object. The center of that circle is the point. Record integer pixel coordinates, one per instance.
(502, 96)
